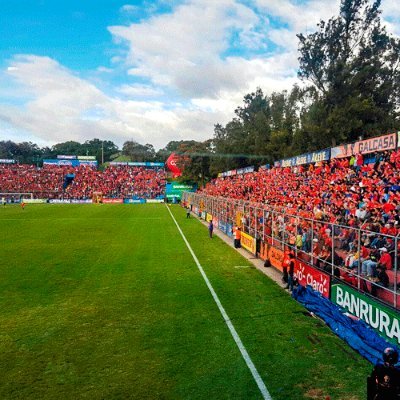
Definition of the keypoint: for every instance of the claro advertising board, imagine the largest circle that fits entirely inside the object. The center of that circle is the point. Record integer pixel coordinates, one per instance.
(381, 318)
(318, 280)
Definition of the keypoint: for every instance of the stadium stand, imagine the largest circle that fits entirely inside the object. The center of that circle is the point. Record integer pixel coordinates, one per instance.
(341, 216)
(67, 182)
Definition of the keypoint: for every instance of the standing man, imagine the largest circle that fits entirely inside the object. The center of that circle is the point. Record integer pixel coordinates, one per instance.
(188, 212)
(237, 235)
(210, 228)
(290, 273)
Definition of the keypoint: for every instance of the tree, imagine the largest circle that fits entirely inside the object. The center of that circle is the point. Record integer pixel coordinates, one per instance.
(353, 64)
(101, 149)
(138, 152)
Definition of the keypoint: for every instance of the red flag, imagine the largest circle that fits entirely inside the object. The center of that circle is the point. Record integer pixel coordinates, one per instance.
(171, 164)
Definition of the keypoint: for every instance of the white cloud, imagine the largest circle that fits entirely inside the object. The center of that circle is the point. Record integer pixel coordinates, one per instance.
(191, 62)
(62, 107)
(128, 8)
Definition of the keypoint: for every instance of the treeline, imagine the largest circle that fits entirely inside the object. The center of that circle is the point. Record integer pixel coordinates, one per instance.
(350, 88)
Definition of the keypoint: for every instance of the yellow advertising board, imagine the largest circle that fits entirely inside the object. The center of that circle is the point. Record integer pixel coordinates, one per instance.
(209, 217)
(248, 242)
(239, 217)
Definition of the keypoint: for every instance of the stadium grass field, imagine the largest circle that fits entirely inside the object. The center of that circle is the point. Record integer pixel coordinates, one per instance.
(106, 302)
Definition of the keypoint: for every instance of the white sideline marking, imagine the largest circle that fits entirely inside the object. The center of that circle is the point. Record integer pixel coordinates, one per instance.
(236, 338)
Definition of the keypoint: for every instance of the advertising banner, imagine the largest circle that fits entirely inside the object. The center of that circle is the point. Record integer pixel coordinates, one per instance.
(88, 158)
(6, 161)
(203, 215)
(239, 217)
(222, 226)
(60, 201)
(229, 230)
(276, 257)
(175, 189)
(34, 201)
(317, 156)
(209, 217)
(65, 157)
(318, 280)
(113, 201)
(78, 201)
(248, 243)
(71, 163)
(154, 201)
(289, 162)
(381, 318)
(245, 170)
(117, 163)
(134, 201)
(380, 143)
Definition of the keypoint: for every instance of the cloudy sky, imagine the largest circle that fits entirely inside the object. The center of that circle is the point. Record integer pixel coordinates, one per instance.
(149, 71)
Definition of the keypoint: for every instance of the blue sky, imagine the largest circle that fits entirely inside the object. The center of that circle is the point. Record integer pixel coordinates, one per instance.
(150, 71)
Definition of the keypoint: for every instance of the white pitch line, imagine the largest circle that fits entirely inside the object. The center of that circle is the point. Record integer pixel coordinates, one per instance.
(235, 335)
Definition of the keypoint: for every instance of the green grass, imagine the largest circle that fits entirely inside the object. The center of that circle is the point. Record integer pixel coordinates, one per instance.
(106, 302)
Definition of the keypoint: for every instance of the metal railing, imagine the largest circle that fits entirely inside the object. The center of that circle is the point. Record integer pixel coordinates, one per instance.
(346, 253)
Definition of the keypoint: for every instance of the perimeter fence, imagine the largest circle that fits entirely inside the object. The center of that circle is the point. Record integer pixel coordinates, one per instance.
(328, 255)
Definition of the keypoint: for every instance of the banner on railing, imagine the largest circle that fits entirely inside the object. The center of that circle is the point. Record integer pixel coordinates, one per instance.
(239, 216)
(248, 243)
(383, 319)
(71, 163)
(318, 280)
(223, 226)
(276, 257)
(380, 143)
(209, 217)
(113, 201)
(138, 164)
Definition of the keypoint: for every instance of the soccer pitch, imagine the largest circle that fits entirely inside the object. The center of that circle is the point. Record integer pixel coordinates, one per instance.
(107, 302)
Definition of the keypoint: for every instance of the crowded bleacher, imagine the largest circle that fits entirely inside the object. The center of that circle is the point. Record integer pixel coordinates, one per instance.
(340, 215)
(48, 182)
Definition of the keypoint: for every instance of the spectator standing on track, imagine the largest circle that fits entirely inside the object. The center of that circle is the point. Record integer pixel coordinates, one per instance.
(290, 273)
(237, 235)
(188, 212)
(210, 228)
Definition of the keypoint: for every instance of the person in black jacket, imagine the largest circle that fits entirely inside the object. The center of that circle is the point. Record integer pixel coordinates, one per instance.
(384, 383)
(290, 282)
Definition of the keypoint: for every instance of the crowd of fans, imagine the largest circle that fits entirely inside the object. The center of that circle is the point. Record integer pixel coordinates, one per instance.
(49, 181)
(342, 215)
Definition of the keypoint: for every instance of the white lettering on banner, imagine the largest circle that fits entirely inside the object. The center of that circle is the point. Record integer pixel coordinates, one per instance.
(316, 157)
(372, 322)
(372, 315)
(316, 280)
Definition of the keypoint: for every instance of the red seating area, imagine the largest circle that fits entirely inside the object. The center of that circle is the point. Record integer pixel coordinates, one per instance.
(344, 204)
(114, 181)
(366, 196)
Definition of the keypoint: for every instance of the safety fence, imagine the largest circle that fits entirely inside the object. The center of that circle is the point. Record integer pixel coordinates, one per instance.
(356, 269)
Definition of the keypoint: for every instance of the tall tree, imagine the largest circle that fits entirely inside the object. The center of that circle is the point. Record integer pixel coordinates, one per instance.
(138, 152)
(354, 65)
